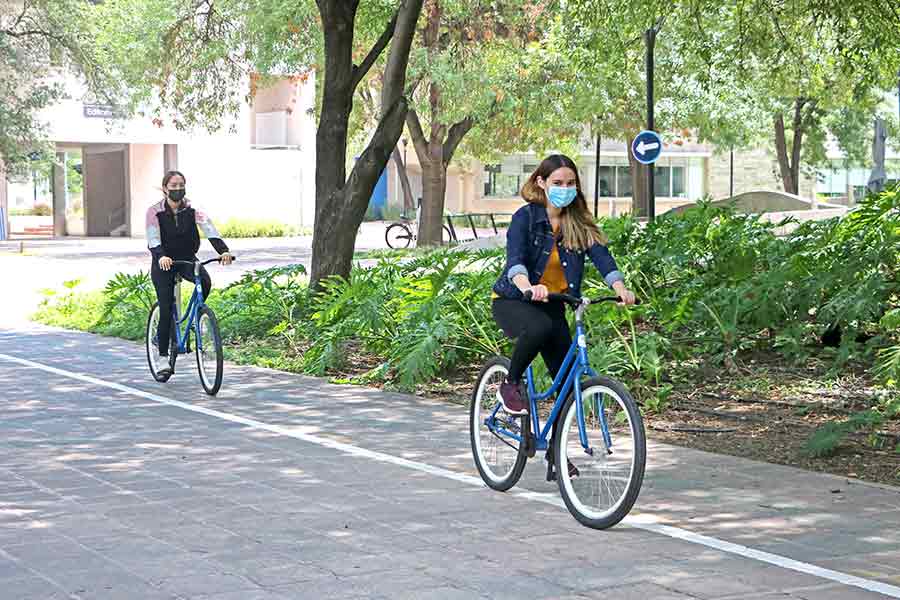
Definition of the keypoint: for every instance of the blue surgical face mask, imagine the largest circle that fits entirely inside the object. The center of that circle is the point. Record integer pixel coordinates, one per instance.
(561, 197)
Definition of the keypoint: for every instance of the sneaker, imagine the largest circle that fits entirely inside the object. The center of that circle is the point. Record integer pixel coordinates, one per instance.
(511, 397)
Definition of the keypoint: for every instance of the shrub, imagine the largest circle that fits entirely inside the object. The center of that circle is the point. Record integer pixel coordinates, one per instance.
(249, 228)
(38, 210)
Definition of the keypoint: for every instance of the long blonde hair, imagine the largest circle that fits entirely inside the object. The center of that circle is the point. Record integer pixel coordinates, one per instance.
(577, 226)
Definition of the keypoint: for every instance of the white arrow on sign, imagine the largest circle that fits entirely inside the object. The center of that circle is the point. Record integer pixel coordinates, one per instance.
(642, 147)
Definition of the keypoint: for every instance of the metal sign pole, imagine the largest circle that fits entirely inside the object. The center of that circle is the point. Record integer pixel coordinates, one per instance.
(651, 191)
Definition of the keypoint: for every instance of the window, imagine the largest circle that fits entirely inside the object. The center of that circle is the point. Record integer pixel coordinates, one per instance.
(679, 189)
(623, 181)
(662, 186)
(606, 182)
(498, 184)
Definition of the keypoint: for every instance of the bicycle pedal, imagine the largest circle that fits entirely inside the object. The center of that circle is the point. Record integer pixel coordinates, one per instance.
(530, 445)
(551, 472)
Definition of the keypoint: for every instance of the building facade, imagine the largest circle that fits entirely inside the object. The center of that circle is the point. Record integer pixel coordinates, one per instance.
(108, 170)
(684, 174)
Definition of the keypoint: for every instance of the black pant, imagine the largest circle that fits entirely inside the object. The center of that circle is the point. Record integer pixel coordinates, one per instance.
(538, 328)
(164, 282)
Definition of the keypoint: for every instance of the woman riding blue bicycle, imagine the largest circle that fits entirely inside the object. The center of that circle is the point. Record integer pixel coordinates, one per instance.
(547, 243)
(172, 235)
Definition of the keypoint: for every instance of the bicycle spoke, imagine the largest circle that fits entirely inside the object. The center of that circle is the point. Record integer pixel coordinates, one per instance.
(497, 453)
(606, 475)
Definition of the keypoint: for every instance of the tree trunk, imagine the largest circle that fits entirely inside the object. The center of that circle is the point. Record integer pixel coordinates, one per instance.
(340, 201)
(789, 166)
(409, 204)
(640, 197)
(434, 187)
(341, 218)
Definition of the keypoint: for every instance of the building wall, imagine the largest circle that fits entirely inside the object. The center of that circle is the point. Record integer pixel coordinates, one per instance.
(291, 96)
(704, 173)
(753, 170)
(146, 167)
(234, 181)
(226, 175)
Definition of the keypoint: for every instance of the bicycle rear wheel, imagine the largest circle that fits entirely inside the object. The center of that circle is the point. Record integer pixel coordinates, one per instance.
(605, 484)
(499, 456)
(398, 236)
(154, 360)
(208, 346)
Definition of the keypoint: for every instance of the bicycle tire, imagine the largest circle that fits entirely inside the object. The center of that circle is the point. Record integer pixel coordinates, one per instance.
(515, 456)
(601, 518)
(149, 333)
(212, 384)
(400, 238)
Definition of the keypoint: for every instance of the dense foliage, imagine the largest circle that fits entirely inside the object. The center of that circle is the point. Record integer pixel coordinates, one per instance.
(718, 288)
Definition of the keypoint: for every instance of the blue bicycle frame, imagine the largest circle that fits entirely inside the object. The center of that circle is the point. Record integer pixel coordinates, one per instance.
(574, 367)
(189, 319)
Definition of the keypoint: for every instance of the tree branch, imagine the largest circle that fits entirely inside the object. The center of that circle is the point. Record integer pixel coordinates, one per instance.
(455, 136)
(417, 134)
(797, 142)
(359, 72)
(398, 58)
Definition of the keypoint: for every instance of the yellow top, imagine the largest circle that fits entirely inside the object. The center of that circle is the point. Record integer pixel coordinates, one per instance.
(554, 276)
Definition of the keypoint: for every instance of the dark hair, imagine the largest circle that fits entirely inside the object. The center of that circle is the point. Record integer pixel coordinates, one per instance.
(579, 231)
(170, 174)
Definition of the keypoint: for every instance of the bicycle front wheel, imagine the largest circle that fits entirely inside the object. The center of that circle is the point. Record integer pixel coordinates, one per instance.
(601, 485)
(208, 347)
(398, 236)
(154, 360)
(499, 455)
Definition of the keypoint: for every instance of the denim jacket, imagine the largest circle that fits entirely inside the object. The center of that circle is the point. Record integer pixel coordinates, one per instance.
(529, 242)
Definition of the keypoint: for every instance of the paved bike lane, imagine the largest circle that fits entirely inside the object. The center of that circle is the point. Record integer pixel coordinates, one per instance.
(288, 487)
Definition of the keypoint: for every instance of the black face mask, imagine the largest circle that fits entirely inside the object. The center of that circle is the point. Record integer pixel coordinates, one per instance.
(176, 195)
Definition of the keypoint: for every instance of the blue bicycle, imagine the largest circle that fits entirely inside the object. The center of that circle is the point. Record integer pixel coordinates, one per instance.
(599, 446)
(199, 320)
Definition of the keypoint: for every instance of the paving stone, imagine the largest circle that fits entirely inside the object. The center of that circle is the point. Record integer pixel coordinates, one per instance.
(184, 505)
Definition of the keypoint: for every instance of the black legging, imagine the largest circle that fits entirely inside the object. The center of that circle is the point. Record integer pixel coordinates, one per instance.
(538, 328)
(164, 282)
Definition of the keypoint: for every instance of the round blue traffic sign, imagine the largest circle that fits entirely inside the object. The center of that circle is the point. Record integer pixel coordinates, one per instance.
(646, 147)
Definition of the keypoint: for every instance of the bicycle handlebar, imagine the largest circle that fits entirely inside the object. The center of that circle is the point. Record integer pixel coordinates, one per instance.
(574, 302)
(205, 262)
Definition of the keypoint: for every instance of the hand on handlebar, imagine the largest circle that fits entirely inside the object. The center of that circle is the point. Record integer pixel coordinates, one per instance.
(226, 258)
(538, 293)
(625, 295)
(165, 263)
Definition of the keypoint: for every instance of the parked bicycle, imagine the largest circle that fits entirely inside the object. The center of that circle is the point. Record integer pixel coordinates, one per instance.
(199, 321)
(599, 447)
(401, 234)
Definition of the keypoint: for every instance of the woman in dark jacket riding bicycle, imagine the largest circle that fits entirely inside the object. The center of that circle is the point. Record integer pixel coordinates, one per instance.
(546, 246)
(172, 235)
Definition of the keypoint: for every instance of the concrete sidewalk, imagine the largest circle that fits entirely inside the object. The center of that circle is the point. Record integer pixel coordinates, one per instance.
(290, 487)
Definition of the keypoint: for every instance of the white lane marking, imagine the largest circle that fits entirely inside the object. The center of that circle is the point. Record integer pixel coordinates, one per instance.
(644, 521)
